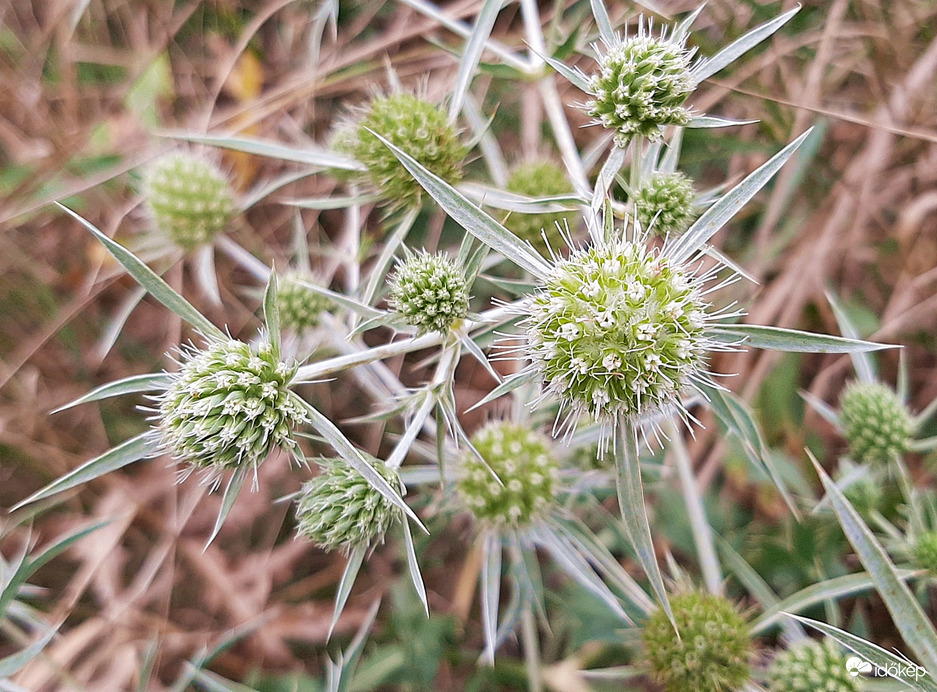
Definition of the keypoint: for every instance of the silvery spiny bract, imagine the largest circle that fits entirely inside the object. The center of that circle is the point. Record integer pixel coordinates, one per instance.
(811, 666)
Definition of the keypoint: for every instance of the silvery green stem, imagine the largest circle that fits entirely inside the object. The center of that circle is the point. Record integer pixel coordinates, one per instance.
(564, 137)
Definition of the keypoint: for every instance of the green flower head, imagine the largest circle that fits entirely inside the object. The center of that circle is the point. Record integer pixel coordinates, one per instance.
(227, 407)
(811, 666)
(189, 198)
(299, 306)
(924, 552)
(429, 292)
(340, 510)
(641, 86)
(876, 424)
(712, 651)
(421, 129)
(664, 204)
(526, 475)
(538, 179)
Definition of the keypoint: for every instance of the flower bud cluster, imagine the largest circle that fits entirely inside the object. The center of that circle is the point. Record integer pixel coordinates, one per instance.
(876, 424)
(811, 666)
(430, 292)
(300, 307)
(538, 179)
(664, 204)
(924, 552)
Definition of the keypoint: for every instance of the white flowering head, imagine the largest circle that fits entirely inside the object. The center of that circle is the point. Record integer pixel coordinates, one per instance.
(617, 331)
(526, 475)
(299, 306)
(537, 179)
(641, 86)
(664, 204)
(340, 510)
(811, 666)
(227, 407)
(876, 424)
(429, 292)
(188, 198)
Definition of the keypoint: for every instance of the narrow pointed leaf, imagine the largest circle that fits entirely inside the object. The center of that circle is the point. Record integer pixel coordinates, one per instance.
(509, 385)
(574, 77)
(491, 593)
(380, 267)
(15, 662)
(235, 483)
(473, 53)
(795, 341)
(603, 22)
(861, 361)
(706, 122)
(129, 385)
(325, 203)
(413, 566)
(683, 27)
(307, 155)
(343, 301)
(151, 281)
(479, 355)
(272, 312)
(827, 412)
(355, 558)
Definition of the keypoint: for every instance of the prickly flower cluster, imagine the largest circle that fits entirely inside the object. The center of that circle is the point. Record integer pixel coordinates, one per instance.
(299, 306)
(340, 510)
(664, 204)
(421, 129)
(711, 652)
(538, 179)
(429, 292)
(228, 406)
(617, 330)
(876, 424)
(641, 85)
(189, 198)
(526, 475)
(811, 666)
(924, 552)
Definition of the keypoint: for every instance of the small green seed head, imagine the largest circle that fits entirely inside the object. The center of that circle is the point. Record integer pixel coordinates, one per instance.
(641, 86)
(430, 292)
(538, 179)
(524, 463)
(421, 129)
(811, 666)
(189, 198)
(228, 406)
(664, 205)
(300, 307)
(340, 510)
(924, 552)
(876, 424)
(712, 652)
(617, 330)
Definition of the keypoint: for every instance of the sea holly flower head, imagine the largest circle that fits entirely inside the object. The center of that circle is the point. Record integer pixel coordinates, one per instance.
(811, 666)
(420, 128)
(227, 407)
(526, 473)
(641, 85)
(664, 204)
(189, 198)
(300, 307)
(876, 424)
(429, 291)
(924, 552)
(538, 179)
(340, 510)
(711, 652)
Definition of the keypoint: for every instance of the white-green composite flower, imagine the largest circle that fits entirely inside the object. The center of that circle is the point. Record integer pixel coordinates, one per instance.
(811, 666)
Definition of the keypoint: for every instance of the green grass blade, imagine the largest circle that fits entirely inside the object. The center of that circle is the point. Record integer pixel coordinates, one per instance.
(795, 341)
(129, 385)
(151, 281)
(473, 53)
(136, 448)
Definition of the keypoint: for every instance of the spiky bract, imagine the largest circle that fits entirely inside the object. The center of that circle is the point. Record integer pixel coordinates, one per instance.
(712, 651)
(811, 666)
(339, 509)
(664, 204)
(300, 307)
(429, 291)
(538, 179)
(228, 406)
(189, 198)
(876, 424)
(641, 85)
(526, 475)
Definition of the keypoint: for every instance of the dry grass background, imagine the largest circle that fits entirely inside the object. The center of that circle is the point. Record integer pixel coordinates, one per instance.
(859, 218)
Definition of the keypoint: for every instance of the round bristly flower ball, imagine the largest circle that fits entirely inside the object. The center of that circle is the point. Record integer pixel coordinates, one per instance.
(617, 330)
(876, 424)
(712, 651)
(227, 407)
(641, 86)
(526, 475)
(340, 510)
(811, 666)
(188, 198)
(538, 179)
(924, 552)
(300, 307)
(429, 292)
(421, 129)
(664, 204)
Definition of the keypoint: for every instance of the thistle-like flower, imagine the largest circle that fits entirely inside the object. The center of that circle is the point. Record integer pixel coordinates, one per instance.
(340, 510)
(189, 198)
(420, 128)
(711, 652)
(228, 406)
(526, 475)
(664, 204)
(429, 292)
(641, 85)
(924, 552)
(299, 306)
(876, 424)
(811, 666)
(538, 179)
